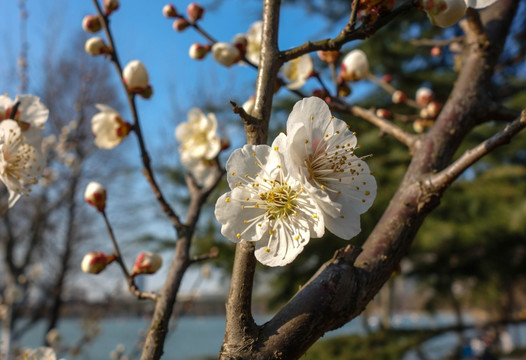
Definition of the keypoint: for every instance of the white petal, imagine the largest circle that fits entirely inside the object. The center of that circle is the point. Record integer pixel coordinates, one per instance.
(479, 4)
(314, 113)
(243, 162)
(346, 227)
(32, 111)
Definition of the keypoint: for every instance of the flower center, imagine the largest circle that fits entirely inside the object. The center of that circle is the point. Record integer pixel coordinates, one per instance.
(279, 201)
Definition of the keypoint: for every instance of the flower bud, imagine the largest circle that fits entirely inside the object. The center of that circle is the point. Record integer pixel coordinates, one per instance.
(110, 6)
(424, 96)
(95, 261)
(146, 263)
(421, 125)
(354, 66)
(199, 51)
(384, 113)
(249, 105)
(387, 78)
(135, 76)
(169, 11)
(399, 97)
(95, 195)
(194, 12)
(329, 56)
(226, 54)
(433, 109)
(436, 51)
(180, 24)
(96, 46)
(147, 92)
(240, 41)
(91, 23)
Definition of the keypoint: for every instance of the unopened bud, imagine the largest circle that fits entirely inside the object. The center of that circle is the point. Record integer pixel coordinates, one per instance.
(436, 51)
(96, 46)
(225, 144)
(424, 96)
(169, 11)
(384, 113)
(135, 77)
(240, 41)
(95, 195)
(226, 54)
(110, 6)
(96, 261)
(421, 125)
(387, 78)
(194, 12)
(399, 97)
(433, 109)
(180, 24)
(355, 66)
(329, 56)
(91, 23)
(199, 51)
(248, 105)
(147, 263)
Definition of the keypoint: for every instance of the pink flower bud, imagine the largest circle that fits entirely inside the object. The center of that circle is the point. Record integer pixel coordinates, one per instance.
(240, 41)
(146, 263)
(135, 76)
(329, 56)
(399, 97)
(91, 23)
(354, 66)
(180, 24)
(110, 6)
(95, 195)
(96, 46)
(436, 51)
(96, 261)
(169, 11)
(199, 51)
(194, 12)
(424, 96)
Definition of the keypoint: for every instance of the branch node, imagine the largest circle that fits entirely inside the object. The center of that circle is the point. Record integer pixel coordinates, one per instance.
(247, 119)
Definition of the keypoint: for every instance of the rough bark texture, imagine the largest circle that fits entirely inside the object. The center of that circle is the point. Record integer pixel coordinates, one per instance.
(342, 288)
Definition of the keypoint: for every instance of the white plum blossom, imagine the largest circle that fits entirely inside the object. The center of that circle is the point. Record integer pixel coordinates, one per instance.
(298, 71)
(108, 127)
(267, 205)
(41, 353)
(355, 66)
(226, 54)
(320, 154)
(445, 13)
(20, 163)
(204, 172)
(197, 137)
(254, 36)
(135, 76)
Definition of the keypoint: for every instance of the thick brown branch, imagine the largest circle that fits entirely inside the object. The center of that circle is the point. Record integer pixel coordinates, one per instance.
(445, 177)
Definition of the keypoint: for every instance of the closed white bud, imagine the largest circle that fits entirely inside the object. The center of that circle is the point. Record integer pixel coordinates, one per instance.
(135, 76)
(424, 96)
(91, 23)
(95, 261)
(96, 46)
(226, 54)
(147, 263)
(355, 66)
(198, 51)
(95, 195)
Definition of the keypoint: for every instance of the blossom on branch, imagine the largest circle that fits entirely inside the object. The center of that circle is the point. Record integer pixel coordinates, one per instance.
(147, 263)
(355, 66)
(136, 77)
(254, 36)
(108, 127)
(197, 137)
(226, 54)
(298, 71)
(95, 195)
(95, 261)
(320, 154)
(445, 13)
(96, 46)
(267, 205)
(21, 163)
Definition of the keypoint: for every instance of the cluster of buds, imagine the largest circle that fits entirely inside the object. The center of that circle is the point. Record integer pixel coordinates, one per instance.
(136, 78)
(96, 261)
(370, 10)
(93, 23)
(194, 13)
(429, 109)
(147, 263)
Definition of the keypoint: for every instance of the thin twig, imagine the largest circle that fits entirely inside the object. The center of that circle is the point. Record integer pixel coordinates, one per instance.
(247, 118)
(147, 171)
(118, 257)
(436, 42)
(391, 89)
(445, 177)
(211, 254)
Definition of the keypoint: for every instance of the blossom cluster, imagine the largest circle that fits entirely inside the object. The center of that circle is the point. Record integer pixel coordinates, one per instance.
(21, 156)
(307, 181)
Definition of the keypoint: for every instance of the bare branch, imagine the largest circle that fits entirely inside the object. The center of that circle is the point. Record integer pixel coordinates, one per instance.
(383, 124)
(211, 254)
(247, 119)
(445, 177)
(435, 42)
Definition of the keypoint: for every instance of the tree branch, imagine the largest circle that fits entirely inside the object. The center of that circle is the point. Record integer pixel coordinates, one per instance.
(445, 177)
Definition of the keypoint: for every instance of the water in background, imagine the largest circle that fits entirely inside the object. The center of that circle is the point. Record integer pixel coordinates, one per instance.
(199, 337)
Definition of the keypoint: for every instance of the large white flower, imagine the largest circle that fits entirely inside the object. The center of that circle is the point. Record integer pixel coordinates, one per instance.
(108, 127)
(20, 162)
(267, 205)
(197, 137)
(445, 13)
(298, 71)
(320, 153)
(254, 35)
(31, 115)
